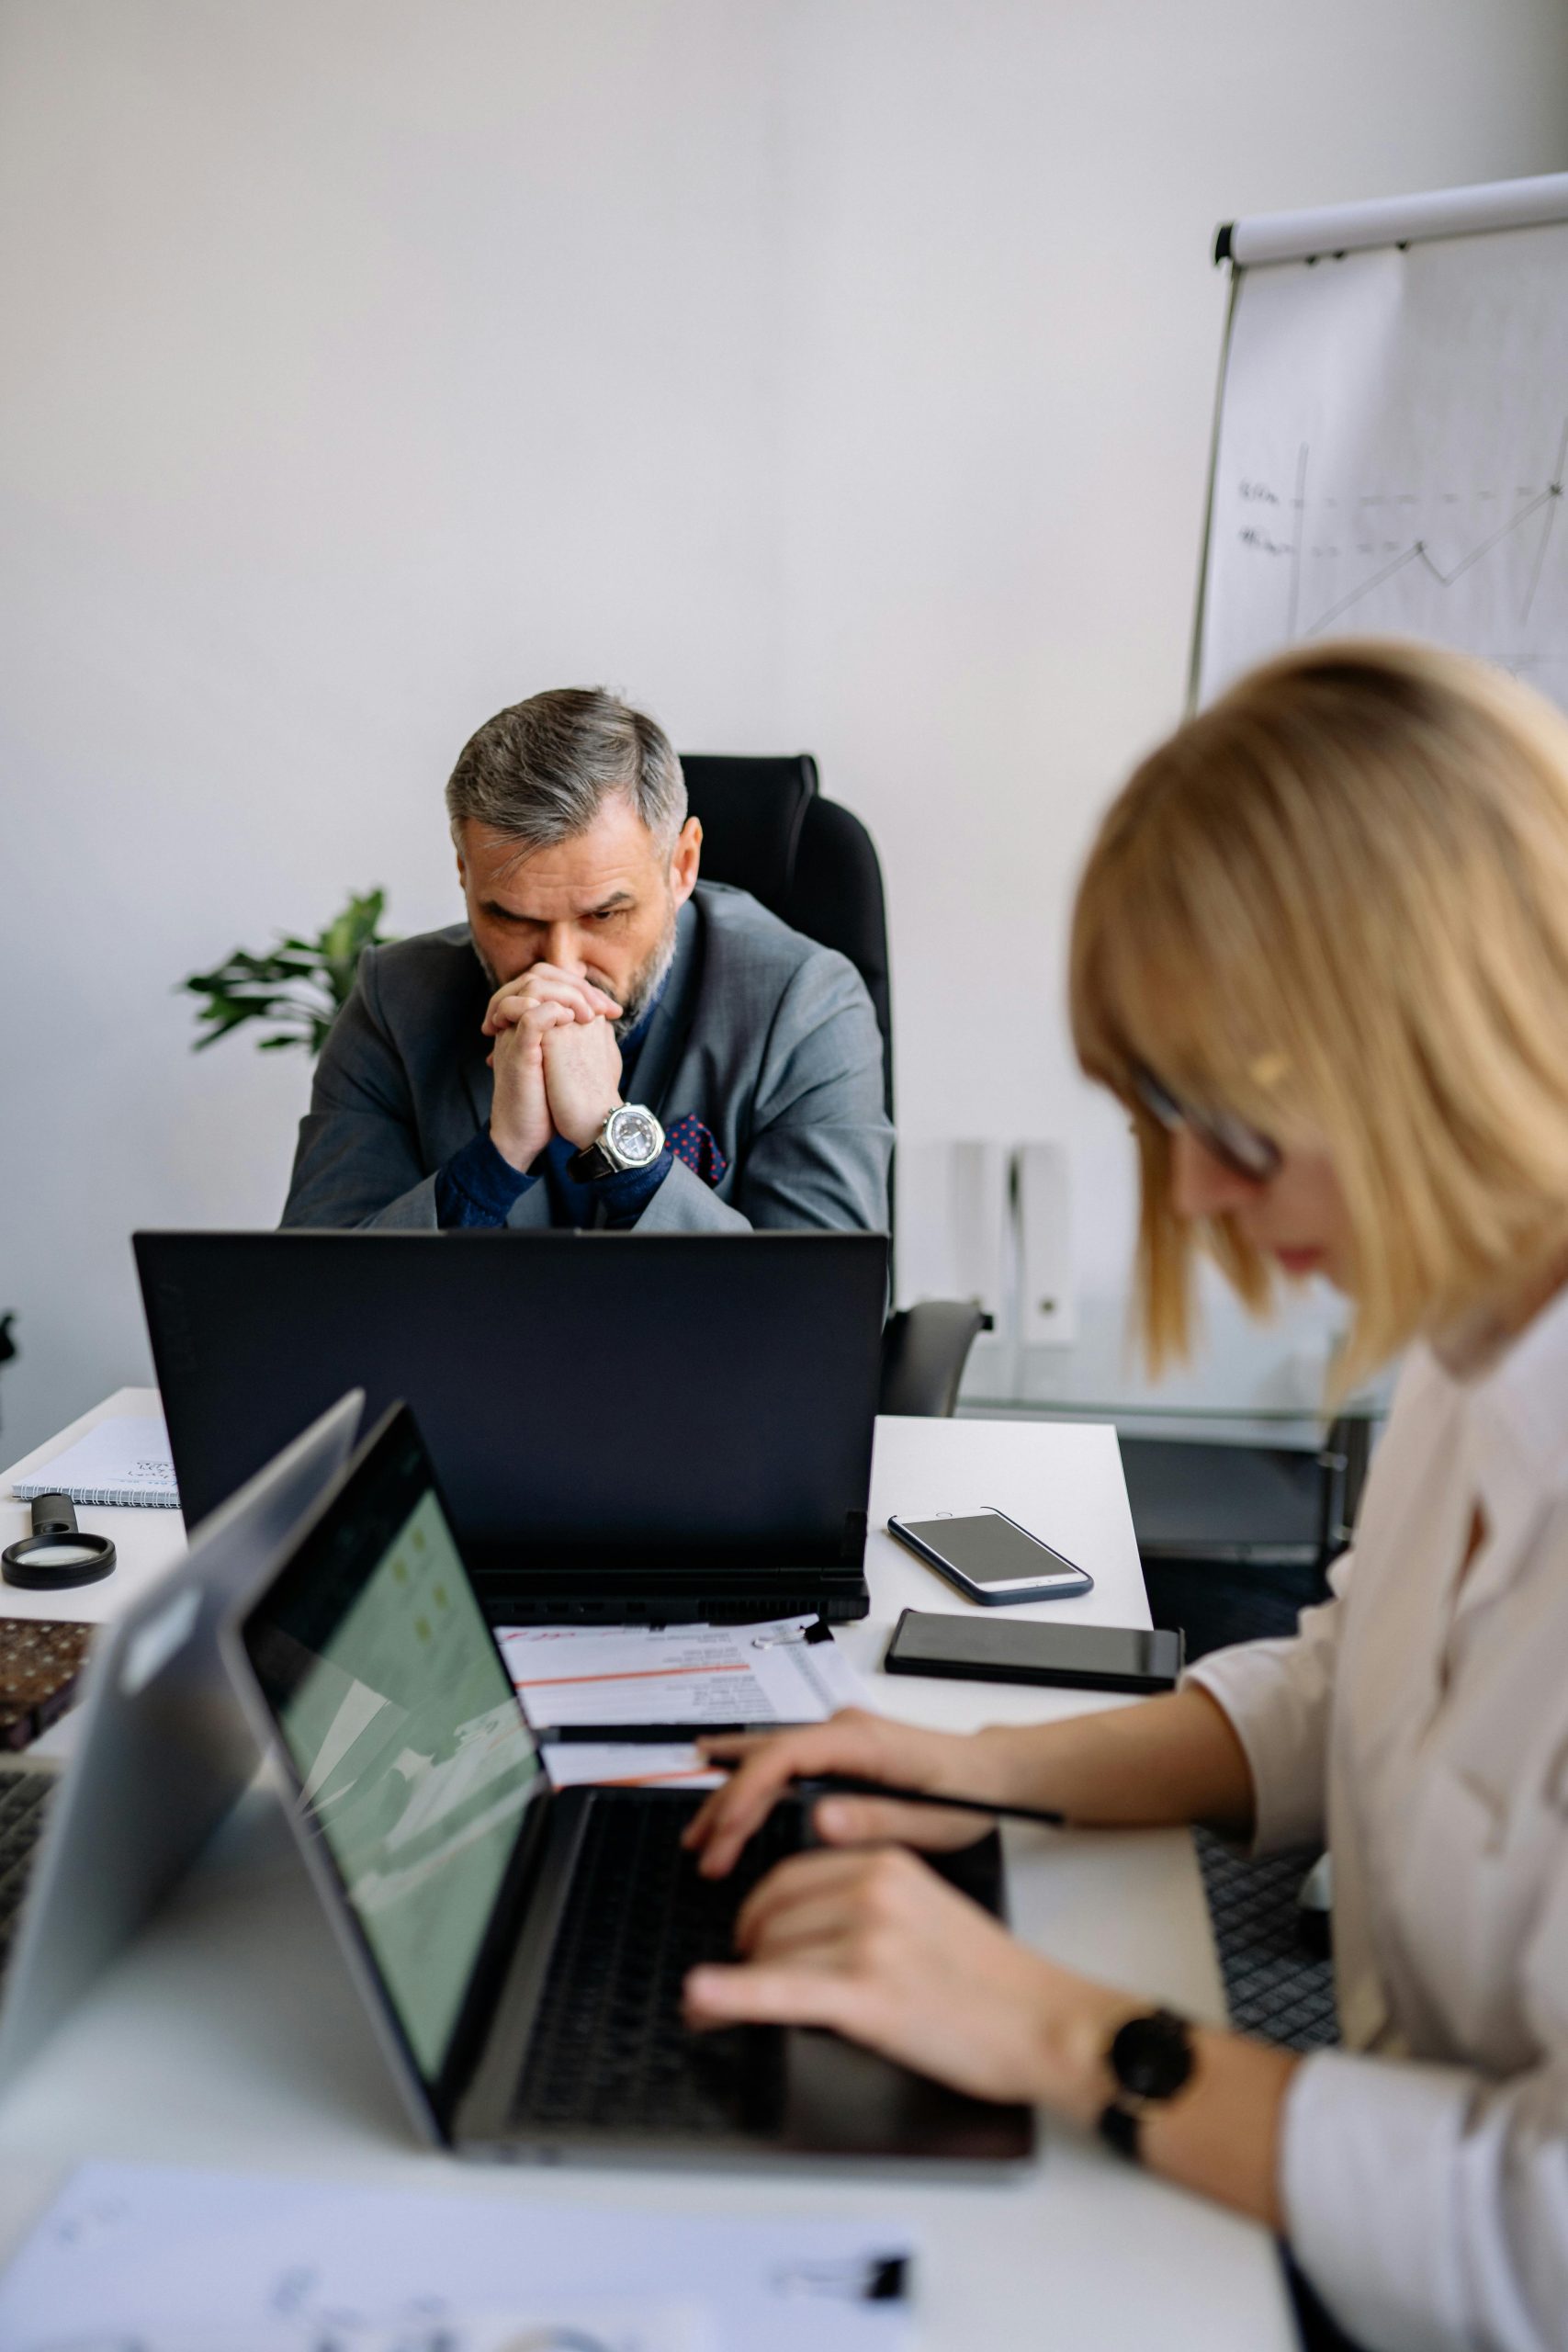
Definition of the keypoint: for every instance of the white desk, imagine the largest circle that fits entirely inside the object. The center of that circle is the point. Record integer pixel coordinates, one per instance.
(228, 2036)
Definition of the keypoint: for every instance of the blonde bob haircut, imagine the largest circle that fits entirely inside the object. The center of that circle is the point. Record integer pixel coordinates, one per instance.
(1336, 903)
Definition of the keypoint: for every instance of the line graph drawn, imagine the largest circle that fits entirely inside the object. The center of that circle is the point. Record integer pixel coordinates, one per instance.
(1339, 548)
(1547, 501)
(1391, 458)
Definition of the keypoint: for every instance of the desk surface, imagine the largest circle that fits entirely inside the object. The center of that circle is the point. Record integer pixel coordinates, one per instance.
(229, 2035)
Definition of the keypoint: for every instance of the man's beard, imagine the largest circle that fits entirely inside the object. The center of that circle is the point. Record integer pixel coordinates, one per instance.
(643, 985)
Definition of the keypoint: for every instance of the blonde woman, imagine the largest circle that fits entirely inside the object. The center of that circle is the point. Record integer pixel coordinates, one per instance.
(1321, 954)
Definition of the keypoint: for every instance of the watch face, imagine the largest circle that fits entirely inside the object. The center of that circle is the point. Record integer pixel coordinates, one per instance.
(635, 1138)
(1152, 2056)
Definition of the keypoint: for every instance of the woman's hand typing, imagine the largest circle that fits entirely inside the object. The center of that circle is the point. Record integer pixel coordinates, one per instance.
(872, 1746)
(875, 1945)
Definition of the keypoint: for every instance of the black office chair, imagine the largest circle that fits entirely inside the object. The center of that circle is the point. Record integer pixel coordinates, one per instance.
(766, 828)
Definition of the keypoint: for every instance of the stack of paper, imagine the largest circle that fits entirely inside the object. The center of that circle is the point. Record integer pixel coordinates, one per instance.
(787, 1672)
(655, 1684)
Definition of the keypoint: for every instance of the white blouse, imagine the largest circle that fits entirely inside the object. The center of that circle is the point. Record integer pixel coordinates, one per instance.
(1420, 1722)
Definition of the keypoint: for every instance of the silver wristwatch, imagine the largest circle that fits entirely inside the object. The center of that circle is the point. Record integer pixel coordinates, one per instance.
(630, 1138)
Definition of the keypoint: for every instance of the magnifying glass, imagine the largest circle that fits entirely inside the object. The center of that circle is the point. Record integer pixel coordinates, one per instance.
(56, 1554)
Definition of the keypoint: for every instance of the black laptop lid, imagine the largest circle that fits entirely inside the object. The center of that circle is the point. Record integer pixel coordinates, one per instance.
(588, 1400)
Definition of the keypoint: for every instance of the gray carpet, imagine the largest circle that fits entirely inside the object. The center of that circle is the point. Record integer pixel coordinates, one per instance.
(1275, 1987)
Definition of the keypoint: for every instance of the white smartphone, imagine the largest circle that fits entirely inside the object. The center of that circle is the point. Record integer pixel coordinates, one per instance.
(991, 1557)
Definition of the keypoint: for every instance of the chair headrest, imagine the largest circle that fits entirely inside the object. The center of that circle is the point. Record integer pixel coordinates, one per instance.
(751, 811)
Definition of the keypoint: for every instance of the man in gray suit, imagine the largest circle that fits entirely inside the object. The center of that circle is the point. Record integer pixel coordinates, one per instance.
(606, 1040)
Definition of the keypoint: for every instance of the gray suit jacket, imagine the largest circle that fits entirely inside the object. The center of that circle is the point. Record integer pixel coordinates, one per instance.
(767, 1038)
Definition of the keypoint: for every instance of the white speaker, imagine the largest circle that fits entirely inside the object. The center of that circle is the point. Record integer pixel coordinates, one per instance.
(1047, 1311)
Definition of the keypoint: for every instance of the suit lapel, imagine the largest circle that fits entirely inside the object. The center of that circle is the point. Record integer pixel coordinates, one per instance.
(479, 1081)
(671, 1025)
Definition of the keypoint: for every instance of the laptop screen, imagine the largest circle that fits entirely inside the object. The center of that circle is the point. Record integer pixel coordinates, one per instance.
(415, 1763)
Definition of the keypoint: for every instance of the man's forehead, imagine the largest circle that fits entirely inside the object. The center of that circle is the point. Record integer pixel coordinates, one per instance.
(609, 860)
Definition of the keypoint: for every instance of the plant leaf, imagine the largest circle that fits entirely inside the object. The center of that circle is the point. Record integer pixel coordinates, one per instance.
(300, 985)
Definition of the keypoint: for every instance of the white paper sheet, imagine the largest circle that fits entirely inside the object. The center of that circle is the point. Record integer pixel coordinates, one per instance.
(174, 2260)
(573, 1764)
(678, 1674)
(123, 1460)
(1391, 456)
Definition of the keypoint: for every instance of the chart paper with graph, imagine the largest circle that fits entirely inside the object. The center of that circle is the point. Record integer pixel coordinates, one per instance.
(1389, 456)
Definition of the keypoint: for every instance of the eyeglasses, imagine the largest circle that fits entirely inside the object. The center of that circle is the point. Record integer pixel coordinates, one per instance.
(1230, 1141)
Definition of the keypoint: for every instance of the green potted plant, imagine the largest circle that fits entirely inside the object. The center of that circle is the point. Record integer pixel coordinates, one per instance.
(298, 988)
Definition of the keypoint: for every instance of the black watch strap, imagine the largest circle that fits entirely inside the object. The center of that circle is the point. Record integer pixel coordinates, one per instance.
(1151, 2058)
(588, 1167)
(1122, 2130)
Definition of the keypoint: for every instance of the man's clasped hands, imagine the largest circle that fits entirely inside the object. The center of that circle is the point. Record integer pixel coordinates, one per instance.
(557, 1061)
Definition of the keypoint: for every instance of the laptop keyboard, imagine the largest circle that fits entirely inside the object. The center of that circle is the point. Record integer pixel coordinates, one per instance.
(22, 1796)
(609, 2048)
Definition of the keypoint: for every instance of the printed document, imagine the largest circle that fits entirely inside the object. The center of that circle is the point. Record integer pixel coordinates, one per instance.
(606, 1764)
(785, 1672)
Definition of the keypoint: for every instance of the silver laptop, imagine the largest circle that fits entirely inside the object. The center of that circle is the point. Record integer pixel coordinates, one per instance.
(522, 1949)
(90, 1844)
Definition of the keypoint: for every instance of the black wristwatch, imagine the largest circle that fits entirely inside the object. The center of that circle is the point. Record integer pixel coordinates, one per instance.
(1152, 2058)
(630, 1138)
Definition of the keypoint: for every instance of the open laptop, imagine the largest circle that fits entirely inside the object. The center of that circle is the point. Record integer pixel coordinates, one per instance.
(90, 1844)
(631, 1428)
(522, 1949)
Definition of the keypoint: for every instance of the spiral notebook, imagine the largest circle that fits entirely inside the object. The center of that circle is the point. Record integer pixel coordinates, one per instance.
(125, 1460)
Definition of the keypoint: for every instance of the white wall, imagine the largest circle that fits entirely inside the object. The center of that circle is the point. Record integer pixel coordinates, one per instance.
(833, 373)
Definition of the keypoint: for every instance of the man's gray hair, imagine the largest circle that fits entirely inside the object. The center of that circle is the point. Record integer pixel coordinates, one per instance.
(540, 771)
